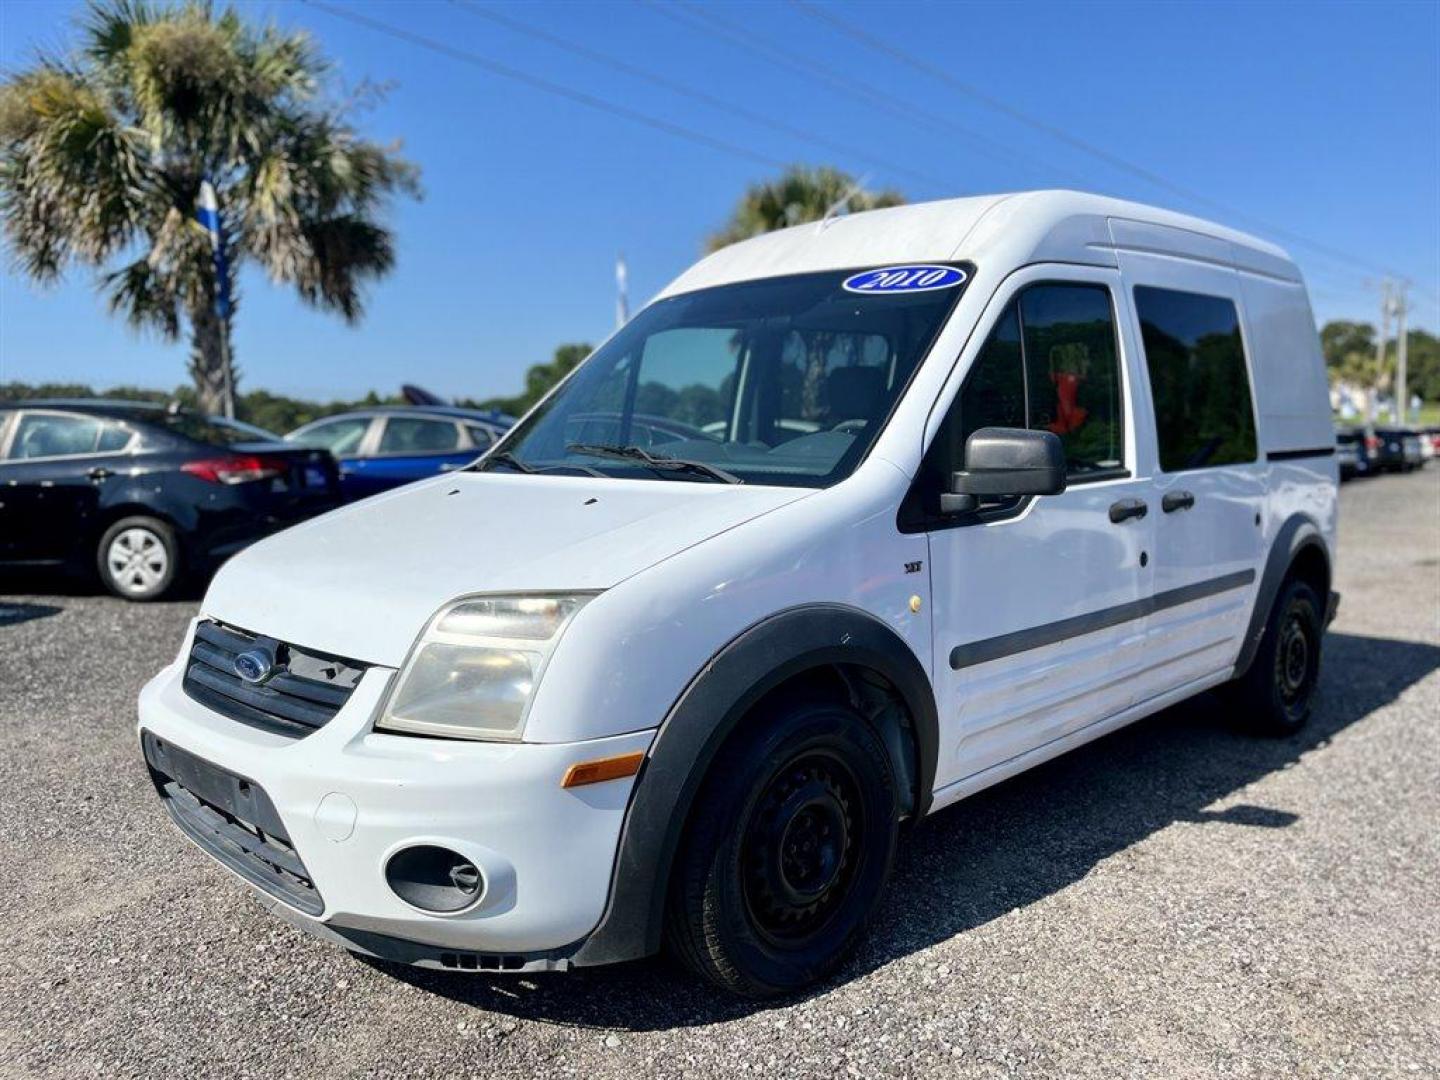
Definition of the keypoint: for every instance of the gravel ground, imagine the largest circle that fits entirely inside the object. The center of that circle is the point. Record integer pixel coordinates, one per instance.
(1173, 900)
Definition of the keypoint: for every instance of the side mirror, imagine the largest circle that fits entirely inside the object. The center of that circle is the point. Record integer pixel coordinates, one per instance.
(1005, 462)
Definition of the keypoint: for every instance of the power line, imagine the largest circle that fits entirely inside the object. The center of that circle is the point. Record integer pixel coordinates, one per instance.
(692, 17)
(704, 98)
(1038, 124)
(495, 67)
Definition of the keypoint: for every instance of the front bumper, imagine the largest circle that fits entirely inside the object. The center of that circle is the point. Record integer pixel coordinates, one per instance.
(349, 798)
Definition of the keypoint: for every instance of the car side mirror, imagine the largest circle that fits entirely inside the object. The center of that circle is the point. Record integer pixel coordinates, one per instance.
(1006, 462)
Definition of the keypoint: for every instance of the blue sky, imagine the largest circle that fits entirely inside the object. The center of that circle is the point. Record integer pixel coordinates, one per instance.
(1320, 120)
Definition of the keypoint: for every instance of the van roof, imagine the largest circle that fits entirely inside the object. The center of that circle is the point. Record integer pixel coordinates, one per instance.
(1010, 229)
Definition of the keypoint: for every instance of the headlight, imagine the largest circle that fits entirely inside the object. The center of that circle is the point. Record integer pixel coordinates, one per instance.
(473, 672)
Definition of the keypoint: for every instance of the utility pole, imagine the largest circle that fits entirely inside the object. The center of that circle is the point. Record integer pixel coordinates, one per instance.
(1373, 388)
(1402, 392)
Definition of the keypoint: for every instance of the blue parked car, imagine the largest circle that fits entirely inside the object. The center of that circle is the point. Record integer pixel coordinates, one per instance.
(386, 446)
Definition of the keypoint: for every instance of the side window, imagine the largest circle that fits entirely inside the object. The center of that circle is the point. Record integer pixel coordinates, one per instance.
(1072, 370)
(341, 436)
(113, 437)
(411, 435)
(480, 436)
(54, 435)
(1050, 364)
(1198, 379)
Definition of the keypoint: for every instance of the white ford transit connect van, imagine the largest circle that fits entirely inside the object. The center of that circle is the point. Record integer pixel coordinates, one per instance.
(852, 521)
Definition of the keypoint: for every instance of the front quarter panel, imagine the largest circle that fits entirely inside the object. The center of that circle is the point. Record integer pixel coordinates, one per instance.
(631, 652)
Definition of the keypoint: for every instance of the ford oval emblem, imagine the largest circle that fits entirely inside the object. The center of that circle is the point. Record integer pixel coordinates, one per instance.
(253, 665)
(901, 279)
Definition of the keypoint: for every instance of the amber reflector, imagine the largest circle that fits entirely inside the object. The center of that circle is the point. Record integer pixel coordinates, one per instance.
(602, 769)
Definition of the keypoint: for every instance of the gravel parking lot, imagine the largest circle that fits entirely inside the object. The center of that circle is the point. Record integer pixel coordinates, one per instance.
(1173, 900)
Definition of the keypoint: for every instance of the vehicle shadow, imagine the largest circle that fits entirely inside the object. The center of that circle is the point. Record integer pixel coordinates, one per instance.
(12, 612)
(1004, 848)
(55, 581)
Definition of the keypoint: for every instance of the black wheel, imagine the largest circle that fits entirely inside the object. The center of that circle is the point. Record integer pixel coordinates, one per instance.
(138, 558)
(788, 851)
(1276, 693)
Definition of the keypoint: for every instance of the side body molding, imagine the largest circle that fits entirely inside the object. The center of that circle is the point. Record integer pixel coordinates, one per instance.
(1298, 533)
(754, 663)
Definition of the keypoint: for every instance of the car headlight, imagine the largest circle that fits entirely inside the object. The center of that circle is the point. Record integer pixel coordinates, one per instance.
(473, 672)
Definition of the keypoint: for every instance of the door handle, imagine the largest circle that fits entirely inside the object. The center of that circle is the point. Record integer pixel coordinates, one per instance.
(1128, 508)
(100, 473)
(1177, 500)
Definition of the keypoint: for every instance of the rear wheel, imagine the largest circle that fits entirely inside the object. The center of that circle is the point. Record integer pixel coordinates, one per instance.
(789, 850)
(1277, 692)
(138, 558)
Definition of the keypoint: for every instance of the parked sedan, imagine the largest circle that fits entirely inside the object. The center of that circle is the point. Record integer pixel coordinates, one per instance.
(381, 448)
(1399, 449)
(143, 494)
(1354, 452)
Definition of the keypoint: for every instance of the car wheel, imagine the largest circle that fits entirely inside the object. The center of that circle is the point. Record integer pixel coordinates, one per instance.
(138, 558)
(1276, 694)
(788, 851)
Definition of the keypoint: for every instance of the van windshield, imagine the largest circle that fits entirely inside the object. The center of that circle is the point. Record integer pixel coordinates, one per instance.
(783, 380)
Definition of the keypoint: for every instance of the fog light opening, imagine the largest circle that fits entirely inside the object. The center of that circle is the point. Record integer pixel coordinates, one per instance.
(434, 878)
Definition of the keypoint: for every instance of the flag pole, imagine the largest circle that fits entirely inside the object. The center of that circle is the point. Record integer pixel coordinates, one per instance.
(207, 212)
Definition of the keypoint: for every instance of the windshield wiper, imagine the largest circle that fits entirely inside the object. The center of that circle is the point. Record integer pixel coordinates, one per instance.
(507, 458)
(659, 464)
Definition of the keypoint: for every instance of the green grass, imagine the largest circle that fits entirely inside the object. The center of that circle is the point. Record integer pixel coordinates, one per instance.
(1429, 415)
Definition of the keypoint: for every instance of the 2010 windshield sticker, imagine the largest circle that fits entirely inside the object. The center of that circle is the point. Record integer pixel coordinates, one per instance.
(898, 279)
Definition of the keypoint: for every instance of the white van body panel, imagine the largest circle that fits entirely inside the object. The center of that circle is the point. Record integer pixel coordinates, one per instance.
(1291, 389)
(632, 651)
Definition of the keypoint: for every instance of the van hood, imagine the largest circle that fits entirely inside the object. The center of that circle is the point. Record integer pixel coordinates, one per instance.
(362, 581)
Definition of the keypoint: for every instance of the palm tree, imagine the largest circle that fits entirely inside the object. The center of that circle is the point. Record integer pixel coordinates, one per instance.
(103, 155)
(800, 194)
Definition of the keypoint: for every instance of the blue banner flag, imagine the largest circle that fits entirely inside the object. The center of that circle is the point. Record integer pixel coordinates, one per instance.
(207, 212)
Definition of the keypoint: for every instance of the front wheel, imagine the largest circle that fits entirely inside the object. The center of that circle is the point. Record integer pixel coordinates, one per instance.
(1277, 692)
(788, 851)
(138, 558)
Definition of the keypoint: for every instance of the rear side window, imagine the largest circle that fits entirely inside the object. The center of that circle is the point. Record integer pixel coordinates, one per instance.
(341, 436)
(1204, 415)
(408, 435)
(480, 436)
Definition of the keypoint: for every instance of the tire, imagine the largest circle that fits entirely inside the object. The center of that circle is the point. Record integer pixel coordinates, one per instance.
(1276, 694)
(787, 853)
(138, 558)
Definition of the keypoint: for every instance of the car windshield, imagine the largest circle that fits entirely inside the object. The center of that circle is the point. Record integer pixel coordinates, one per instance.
(778, 381)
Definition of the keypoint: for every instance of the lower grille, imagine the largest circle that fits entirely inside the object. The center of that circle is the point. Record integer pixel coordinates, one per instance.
(233, 819)
(297, 692)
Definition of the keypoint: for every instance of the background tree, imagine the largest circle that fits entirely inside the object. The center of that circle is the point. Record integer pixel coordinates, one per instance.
(102, 156)
(539, 379)
(798, 195)
(1349, 349)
